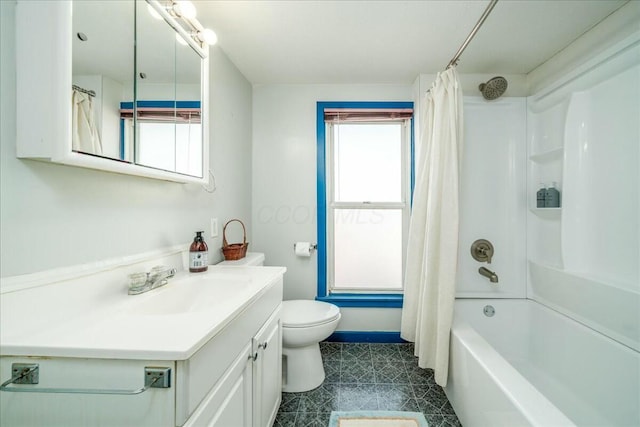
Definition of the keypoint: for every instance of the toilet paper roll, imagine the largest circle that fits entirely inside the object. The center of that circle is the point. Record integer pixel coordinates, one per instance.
(303, 249)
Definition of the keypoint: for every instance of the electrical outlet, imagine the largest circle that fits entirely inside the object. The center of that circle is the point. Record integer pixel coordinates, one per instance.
(214, 227)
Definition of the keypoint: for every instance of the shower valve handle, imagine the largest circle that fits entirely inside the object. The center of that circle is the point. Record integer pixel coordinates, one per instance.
(482, 250)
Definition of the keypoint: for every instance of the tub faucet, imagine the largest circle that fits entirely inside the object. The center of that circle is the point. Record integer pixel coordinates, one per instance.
(493, 277)
(140, 283)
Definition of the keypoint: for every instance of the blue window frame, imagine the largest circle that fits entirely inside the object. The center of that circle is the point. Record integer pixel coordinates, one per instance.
(349, 299)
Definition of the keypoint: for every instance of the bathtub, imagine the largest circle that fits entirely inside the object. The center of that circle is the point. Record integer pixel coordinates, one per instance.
(528, 365)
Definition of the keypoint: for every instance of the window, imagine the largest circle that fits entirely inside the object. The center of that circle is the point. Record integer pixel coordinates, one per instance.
(365, 177)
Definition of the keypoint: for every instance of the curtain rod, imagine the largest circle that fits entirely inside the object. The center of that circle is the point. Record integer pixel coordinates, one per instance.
(83, 90)
(473, 32)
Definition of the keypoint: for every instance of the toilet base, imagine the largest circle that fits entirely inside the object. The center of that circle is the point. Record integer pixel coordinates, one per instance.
(302, 368)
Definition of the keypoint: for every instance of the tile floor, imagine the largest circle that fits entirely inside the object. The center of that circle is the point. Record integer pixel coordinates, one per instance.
(368, 377)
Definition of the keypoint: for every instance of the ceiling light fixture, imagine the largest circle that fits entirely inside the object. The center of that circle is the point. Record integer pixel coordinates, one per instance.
(208, 36)
(184, 9)
(183, 12)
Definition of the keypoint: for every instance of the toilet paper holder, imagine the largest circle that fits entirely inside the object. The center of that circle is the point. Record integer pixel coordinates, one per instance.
(312, 246)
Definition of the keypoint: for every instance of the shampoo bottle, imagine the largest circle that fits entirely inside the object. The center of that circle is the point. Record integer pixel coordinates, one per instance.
(198, 254)
(540, 196)
(552, 197)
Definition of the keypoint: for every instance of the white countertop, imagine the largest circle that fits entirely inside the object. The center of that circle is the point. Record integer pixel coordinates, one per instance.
(167, 323)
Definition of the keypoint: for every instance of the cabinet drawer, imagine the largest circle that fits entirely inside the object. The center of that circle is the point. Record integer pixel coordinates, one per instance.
(197, 375)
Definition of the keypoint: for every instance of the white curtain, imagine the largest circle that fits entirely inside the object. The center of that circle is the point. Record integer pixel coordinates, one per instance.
(84, 132)
(432, 253)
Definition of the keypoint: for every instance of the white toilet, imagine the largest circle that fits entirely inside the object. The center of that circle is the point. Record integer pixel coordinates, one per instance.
(304, 324)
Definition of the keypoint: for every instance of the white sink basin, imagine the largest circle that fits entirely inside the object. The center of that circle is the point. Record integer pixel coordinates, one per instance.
(190, 294)
(98, 319)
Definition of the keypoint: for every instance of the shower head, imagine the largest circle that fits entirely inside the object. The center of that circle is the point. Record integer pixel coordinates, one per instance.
(494, 88)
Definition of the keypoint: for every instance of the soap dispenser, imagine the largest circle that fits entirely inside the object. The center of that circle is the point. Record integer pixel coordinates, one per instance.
(198, 254)
(552, 197)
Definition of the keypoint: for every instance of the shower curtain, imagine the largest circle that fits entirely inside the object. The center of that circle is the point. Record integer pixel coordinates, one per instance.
(85, 136)
(432, 252)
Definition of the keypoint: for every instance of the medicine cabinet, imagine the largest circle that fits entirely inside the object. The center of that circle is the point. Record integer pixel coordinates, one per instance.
(148, 93)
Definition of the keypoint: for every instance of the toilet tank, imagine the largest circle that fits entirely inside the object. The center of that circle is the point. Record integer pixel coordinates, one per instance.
(252, 258)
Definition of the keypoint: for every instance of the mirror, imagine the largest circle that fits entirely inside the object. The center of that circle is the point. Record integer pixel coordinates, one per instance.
(168, 128)
(146, 111)
(102, 75)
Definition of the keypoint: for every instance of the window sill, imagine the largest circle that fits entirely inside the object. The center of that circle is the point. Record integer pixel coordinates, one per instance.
(364, 300)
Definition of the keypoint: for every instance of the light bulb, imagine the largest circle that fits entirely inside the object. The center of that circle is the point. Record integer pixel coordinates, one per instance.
(153, 12)
(185, 9)
(181, 39)
(208, 36)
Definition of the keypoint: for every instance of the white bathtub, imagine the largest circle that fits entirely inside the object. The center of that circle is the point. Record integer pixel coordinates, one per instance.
(531, 366)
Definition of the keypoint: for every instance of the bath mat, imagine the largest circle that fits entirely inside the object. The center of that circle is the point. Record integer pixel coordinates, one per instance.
(377, 419)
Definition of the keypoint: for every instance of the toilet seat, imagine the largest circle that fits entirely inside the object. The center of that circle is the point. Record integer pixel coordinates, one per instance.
(307, 313)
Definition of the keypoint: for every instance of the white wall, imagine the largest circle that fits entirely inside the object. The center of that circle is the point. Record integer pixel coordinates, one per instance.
(284, 183)
(54, 216)
(284, 188)
(493, 197)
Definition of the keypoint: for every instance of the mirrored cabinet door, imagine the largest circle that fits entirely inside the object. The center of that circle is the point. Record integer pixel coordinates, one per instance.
(155, 91)
(168, 98)
(188, 112)
(102, 76)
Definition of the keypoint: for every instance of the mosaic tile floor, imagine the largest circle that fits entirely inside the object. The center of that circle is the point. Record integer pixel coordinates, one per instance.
(368, 377)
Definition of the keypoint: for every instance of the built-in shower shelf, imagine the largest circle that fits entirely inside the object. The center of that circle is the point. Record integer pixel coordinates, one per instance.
(547, 213)
(547, 156)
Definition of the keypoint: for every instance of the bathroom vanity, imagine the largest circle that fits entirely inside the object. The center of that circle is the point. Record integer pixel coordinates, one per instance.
(210, 343)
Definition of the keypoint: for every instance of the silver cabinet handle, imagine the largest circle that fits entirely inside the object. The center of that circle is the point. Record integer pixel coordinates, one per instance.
(29, 373)
(253, 356)
(263, 345)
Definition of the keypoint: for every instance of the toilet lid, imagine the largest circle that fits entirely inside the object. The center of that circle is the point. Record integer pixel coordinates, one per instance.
(303, 313)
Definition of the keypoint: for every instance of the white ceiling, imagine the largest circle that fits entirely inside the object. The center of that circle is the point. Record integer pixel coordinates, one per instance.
(392, 41)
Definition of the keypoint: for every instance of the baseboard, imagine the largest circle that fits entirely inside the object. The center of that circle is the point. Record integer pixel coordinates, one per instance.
(366, 336)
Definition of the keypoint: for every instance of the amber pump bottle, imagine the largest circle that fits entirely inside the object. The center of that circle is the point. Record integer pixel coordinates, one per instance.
(198, 254)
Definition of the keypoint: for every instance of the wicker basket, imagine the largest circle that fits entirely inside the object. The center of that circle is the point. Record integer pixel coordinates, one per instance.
(234, 251)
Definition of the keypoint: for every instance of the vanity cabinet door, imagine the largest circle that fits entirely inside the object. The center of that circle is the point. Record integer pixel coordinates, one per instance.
(230, 402)
(267, 369)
